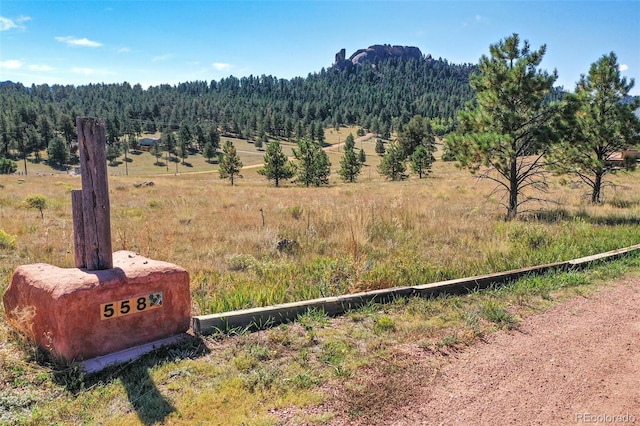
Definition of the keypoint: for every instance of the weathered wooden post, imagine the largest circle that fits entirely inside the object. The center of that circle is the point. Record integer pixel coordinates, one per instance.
(96, 213)
(111, 303)
(78, 229)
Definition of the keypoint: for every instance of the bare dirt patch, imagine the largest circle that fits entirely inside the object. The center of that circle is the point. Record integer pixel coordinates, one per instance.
(578, 362)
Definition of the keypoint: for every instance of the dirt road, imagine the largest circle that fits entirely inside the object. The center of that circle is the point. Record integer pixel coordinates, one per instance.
(577, 363)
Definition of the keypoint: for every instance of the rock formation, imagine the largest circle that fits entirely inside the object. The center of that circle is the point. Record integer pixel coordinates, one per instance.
(377, 52)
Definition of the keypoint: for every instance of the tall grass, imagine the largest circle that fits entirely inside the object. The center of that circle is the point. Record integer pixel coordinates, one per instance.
(349, 237)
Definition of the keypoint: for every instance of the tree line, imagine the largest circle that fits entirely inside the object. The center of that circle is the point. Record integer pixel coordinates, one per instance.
(380, 98)
(312, 166)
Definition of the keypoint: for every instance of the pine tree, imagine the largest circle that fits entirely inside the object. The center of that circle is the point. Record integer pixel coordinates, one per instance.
(350, 166)
(319, 133)
(214, 137)
(421, 161)
(392, 164)
(417, 132)
(379, 147)
(185, 136)
(277, 166)
(349, 142)
(209, 151)
(602, 125)
(113, 152)
(169, 143)
(183, 150)
(67, 128)
(322, 167)
(156, 151)
(313, 164)
(509, 128)
(230, 163)
(7, 166)
(57, 151)
(134, 143)
(200, 137)
(362, 157)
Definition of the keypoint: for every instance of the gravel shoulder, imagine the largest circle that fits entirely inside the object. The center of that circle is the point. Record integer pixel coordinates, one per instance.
(576, 363)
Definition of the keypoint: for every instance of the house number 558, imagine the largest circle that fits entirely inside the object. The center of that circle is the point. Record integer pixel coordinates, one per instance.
(131, 306)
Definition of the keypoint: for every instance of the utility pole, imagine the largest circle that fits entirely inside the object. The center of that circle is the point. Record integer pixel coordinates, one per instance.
(22, 146)
(126, 160)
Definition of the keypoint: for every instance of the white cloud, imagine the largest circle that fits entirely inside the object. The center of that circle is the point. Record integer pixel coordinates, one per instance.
(221, 66)
(623, 67)
(480, 19)
(41, 68)
(10, 64)
(6, 24)
(477, 19)
(84, 71)
(82, 42)
(124, 50)
(92, 72)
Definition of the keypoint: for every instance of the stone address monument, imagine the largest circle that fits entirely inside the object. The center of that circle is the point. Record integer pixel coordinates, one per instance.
(110, 301)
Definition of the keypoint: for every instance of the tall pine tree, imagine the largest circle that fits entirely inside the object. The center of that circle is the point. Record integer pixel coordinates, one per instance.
(350, 166)
(508, 129)
(417, 132)
(313, 164)
(421, 161)
(392, 164)
(602, 125)
(230, 163)
(277, 166)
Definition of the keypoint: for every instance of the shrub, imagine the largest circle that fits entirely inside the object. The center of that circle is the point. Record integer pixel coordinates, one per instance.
(296, 211)
(7, 241)
(7, 166)
(37, 202)
(241, 262)
(384, 323)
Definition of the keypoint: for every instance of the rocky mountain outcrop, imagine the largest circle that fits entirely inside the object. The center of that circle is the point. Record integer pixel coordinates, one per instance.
(377, 52)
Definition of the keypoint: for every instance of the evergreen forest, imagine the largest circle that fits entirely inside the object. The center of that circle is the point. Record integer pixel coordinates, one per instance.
(379, 97)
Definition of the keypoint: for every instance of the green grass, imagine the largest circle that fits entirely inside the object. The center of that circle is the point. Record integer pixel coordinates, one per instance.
(498, 314)
(285, 367)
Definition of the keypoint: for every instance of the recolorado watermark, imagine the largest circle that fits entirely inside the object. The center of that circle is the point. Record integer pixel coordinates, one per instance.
(605, 418)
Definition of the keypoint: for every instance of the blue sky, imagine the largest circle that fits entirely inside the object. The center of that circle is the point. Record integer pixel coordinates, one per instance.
(154, 42)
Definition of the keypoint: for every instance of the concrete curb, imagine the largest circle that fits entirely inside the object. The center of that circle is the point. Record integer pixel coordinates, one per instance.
(97, 364)
(257, 318)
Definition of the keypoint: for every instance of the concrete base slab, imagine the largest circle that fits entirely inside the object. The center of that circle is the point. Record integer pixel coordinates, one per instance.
(97, 364)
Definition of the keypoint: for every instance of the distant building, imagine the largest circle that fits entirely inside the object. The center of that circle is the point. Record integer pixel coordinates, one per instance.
(147, 143)
(630, 154)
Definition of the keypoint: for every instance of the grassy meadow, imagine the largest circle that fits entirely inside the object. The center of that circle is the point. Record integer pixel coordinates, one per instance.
(349, 237)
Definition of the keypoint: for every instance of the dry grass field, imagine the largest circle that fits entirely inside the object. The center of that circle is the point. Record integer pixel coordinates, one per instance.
(349, 237)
